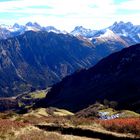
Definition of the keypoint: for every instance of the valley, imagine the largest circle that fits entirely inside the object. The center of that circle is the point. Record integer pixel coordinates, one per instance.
(78, 85)
(33, 57)
(69, 70)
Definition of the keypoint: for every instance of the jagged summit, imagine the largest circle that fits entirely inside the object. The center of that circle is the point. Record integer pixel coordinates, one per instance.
(127, 31)
(16, 25)
(123, 23)
(7, 31)
(108, 34)
(80, 30)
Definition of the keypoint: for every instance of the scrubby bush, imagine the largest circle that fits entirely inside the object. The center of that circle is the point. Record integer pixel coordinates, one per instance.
(125, 125)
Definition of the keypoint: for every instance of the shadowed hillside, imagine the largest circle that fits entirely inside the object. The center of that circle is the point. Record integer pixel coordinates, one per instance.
(114, 78)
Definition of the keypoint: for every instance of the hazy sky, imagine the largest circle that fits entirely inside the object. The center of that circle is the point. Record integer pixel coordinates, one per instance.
(66, 14)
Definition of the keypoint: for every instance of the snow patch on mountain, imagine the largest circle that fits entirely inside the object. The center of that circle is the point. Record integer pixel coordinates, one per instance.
(7, 31)
(124, 33)
(29, 28)
(119, 30)
(108, 35)
(80, 30)
(52, 29)
(139, 35)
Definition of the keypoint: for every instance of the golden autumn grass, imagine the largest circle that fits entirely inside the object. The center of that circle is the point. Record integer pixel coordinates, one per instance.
(23, 126)
(17, 130)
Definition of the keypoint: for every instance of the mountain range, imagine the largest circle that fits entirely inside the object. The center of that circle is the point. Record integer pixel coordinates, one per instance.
(7, 31)
(84, 84)
(127, 31)
(115, 78)
(35, 57)
(35, 60)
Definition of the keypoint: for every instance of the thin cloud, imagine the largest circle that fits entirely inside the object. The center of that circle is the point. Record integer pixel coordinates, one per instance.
(65, 14)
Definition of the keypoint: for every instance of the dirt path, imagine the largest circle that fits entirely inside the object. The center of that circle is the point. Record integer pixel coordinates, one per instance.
(83, 132)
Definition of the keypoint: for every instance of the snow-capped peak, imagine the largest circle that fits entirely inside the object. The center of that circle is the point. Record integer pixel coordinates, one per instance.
(121, 28)
(52, 29)
(108, 34)
(29, 24)
(5, 26)
(16, 25)
(32, 26)
(80, 30)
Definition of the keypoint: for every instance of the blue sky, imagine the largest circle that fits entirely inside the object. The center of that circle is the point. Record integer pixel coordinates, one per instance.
(66, 14)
